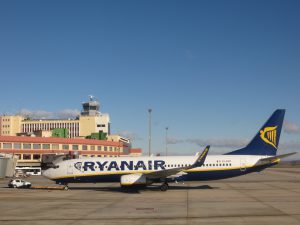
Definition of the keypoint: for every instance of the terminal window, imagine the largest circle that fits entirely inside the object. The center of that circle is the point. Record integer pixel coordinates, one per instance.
(36, 146)
(65, 147)
(17, 145)
(55, 146)
(36, 156)
(46, 146)
(26, 156)
(7, 145)
(26, 146)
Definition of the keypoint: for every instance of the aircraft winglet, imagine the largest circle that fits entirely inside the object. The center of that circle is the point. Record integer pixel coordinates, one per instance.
(201, 159)
(168, 172)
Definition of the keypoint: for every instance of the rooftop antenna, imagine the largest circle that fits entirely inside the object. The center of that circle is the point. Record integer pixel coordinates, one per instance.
(93, 98)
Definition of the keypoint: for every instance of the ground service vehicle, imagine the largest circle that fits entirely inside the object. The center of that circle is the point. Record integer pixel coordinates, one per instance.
(18, 183)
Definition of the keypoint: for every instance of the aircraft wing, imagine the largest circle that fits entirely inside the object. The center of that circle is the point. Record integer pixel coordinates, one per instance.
(168, 172)
(275, 158)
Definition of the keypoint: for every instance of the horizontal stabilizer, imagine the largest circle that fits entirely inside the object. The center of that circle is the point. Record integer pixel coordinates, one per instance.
(276, 158)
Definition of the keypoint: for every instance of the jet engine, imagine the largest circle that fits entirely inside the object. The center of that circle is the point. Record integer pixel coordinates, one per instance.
(133, 179)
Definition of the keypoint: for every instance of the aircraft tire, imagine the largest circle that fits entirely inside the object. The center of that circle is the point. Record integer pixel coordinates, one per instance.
(164, 187)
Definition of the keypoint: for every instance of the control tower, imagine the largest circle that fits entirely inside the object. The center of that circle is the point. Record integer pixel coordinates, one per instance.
(91, 108)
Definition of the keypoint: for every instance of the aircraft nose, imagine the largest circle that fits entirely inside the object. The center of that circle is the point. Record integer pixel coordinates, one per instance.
(47, 173)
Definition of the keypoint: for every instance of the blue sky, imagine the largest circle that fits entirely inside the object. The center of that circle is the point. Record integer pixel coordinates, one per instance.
(212, 71)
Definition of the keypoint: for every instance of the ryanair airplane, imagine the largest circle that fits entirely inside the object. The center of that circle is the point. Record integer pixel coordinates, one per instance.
(258, 155)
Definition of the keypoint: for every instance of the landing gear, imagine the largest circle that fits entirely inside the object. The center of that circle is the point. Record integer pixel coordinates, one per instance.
(66, 187)
(164, 186)
(125, 188)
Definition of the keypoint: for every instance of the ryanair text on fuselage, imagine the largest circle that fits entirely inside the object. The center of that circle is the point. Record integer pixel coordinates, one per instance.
(120, 166)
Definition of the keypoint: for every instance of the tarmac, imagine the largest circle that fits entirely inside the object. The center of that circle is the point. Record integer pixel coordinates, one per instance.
(270, 197)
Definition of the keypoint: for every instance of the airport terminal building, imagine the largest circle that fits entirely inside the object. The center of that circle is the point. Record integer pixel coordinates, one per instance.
(30, 149)
(87, 135)
(91, 120)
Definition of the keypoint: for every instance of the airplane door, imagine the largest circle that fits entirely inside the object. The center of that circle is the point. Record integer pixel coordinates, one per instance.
(243, 163)
(70, 168)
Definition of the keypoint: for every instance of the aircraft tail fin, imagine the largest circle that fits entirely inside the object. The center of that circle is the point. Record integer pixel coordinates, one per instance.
(266, 141)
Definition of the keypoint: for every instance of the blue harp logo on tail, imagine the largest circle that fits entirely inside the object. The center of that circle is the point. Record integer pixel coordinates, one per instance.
(269, 135)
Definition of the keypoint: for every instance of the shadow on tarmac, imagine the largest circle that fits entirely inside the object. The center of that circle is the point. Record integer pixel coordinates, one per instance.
(137, 190)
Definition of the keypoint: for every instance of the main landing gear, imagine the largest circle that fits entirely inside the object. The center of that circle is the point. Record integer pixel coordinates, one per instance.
(164, 186)
(66, 187)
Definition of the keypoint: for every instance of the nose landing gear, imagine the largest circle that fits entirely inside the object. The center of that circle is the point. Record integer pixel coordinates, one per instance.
(164, 186)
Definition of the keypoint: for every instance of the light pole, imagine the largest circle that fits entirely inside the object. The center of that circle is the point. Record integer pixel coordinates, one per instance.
(149, 151)
(167, 128)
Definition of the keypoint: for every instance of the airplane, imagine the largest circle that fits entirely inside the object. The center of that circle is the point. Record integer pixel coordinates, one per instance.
(258, 155)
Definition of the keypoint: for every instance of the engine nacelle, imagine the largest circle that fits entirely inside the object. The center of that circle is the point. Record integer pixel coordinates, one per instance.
(133, 179)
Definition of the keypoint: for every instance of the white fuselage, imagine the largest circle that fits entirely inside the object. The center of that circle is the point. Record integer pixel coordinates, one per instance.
(83, 168)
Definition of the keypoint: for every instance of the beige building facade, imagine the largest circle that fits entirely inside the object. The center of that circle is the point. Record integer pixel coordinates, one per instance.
(10, 125)
(81, 127)
(90, 121)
